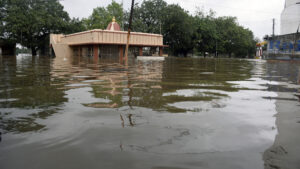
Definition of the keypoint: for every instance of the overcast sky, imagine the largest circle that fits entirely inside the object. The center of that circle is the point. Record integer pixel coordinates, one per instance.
(253, 14)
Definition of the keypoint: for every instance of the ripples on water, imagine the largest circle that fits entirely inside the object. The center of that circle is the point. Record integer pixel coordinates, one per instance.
(189, 112)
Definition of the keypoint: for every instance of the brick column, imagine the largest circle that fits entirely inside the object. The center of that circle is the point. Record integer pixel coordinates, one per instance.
(141, 51)
(161, 52)
(96, 51)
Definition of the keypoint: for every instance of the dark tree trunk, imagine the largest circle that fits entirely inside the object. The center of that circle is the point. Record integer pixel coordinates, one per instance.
(33, 51)
(185, 54)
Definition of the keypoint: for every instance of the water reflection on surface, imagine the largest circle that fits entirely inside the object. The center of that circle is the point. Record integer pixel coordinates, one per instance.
(284, 153)
(177, 113)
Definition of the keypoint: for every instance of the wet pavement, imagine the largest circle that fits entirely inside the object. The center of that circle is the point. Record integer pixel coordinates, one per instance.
(173, 114)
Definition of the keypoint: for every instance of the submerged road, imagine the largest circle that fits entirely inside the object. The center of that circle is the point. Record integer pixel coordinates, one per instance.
(172, 114)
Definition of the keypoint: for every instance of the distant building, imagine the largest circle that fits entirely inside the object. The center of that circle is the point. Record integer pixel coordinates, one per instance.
(290, 17)
(109, 43)
(287, 45)
(284, 47)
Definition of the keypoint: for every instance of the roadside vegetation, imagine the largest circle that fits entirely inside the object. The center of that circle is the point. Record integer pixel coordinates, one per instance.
(30, 23)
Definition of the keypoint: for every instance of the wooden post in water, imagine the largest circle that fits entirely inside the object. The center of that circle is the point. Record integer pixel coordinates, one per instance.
(129, 30)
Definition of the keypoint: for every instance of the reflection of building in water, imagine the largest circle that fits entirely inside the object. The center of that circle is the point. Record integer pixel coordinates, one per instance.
(284, 152)
(299, 77)
(298, 94)
(141, 84)
(114, 84)
(104, 43)
(129, 87)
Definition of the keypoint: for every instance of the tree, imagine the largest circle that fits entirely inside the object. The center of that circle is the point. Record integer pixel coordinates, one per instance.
(137, 20)
(226, 30)
(98, 19)
(206, 36)
(148, 16)
(245, 44)
(234, 39)
(101, 16)
(115, 10)
(3, 6)
(30, 22)
(76, 25)
(178, 30)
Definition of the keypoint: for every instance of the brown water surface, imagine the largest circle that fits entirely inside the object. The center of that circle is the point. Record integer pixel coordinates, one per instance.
(173, 114)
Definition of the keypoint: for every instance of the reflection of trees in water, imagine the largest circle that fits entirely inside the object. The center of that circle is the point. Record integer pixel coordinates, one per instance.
(127, 86)
(144, 83)
(27, 93)
(32, 89)
(211, 73)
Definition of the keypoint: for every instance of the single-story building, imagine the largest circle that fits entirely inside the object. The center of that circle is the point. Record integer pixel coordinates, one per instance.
(105, 43)
(284, 47)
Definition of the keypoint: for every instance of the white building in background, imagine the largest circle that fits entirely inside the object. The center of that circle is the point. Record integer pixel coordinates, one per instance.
(290, 17)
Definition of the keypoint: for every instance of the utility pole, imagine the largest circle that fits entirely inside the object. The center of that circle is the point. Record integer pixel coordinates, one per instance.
(160, 27)
(273, 27)
(216, 55)
(129, 30)
(295, 39)
(123, 15)
(22, 39)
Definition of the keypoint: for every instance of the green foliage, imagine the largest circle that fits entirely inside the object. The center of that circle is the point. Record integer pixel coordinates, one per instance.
(205, 35)
(184, 33)
(234, 39)
(76, 25)
(148, 17)
(3, 14)
(101, 16)
(178, 30)
(29, 22)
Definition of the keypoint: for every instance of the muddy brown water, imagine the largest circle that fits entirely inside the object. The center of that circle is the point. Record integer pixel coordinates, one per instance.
(179, 113)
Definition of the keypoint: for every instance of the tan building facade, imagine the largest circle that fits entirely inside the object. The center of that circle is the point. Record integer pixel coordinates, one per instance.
(99, 42)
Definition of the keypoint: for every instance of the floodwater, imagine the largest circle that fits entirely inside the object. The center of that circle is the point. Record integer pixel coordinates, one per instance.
(75, 113)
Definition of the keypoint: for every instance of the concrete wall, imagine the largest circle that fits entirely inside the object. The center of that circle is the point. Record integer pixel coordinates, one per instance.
(284, 47)
(60, 49)
(63, 44)
(289, 3)
(290, 17)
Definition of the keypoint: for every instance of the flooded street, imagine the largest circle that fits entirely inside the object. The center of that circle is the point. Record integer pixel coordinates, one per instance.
(174, 114)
